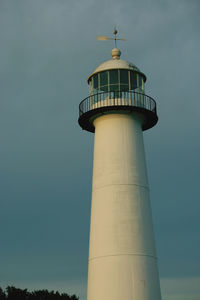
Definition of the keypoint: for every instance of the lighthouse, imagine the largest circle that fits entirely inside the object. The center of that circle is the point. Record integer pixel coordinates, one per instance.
(122, 257)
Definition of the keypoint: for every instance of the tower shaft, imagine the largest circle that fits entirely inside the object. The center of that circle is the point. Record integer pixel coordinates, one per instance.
(122, 258)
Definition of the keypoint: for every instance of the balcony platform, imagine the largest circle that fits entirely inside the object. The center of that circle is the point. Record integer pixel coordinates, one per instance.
(117, 102)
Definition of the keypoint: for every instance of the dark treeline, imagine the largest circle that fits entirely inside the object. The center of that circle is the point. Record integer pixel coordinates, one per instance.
(12, 293)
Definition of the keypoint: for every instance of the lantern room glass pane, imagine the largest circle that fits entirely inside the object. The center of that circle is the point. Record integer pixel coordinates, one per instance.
(124, 76)
(114, 87)
(140, 81)
(114, 78)
(95, 81)
(143, 89)
(133, 80)
(104, 88)
(124, 87)
(103, 78)
(103, 81)
(124, 80)
(90, 85)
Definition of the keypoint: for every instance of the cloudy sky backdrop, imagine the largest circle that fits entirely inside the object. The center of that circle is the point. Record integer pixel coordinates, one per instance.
(47, 50)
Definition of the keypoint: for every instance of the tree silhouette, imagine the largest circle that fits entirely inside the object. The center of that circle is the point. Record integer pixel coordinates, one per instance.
(13, 293)
(16, 294)
(2, 295)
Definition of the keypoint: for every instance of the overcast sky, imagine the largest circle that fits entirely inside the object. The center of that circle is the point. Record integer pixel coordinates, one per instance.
(48, 48)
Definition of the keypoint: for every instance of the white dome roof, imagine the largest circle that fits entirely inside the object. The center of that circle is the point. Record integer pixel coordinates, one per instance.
(116, 64)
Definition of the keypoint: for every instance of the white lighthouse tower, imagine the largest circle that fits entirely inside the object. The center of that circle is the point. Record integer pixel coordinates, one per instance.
(122, 256)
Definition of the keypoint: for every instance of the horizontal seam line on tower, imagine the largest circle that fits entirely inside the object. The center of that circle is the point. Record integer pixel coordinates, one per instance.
(136, 254)
(144, 186)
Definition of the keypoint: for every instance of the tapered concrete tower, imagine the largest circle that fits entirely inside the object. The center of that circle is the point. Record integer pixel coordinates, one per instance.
(122, 257)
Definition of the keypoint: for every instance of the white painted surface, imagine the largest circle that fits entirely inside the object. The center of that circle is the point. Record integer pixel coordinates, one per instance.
(122, 262)
(113, 64)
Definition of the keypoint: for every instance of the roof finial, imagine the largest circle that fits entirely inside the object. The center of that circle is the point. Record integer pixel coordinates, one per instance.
(115, 52)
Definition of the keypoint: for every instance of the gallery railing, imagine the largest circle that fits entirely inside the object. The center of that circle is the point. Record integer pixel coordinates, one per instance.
(117, 98)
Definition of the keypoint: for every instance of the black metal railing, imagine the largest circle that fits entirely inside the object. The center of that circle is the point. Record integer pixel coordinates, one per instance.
(117, 98)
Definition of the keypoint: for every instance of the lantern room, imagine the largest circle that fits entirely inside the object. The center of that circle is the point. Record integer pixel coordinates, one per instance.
(116, 76)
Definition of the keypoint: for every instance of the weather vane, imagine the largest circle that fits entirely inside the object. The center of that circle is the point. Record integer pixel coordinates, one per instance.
(106, 38)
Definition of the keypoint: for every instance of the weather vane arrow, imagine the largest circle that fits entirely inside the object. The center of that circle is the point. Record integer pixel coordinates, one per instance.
(106, 38)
